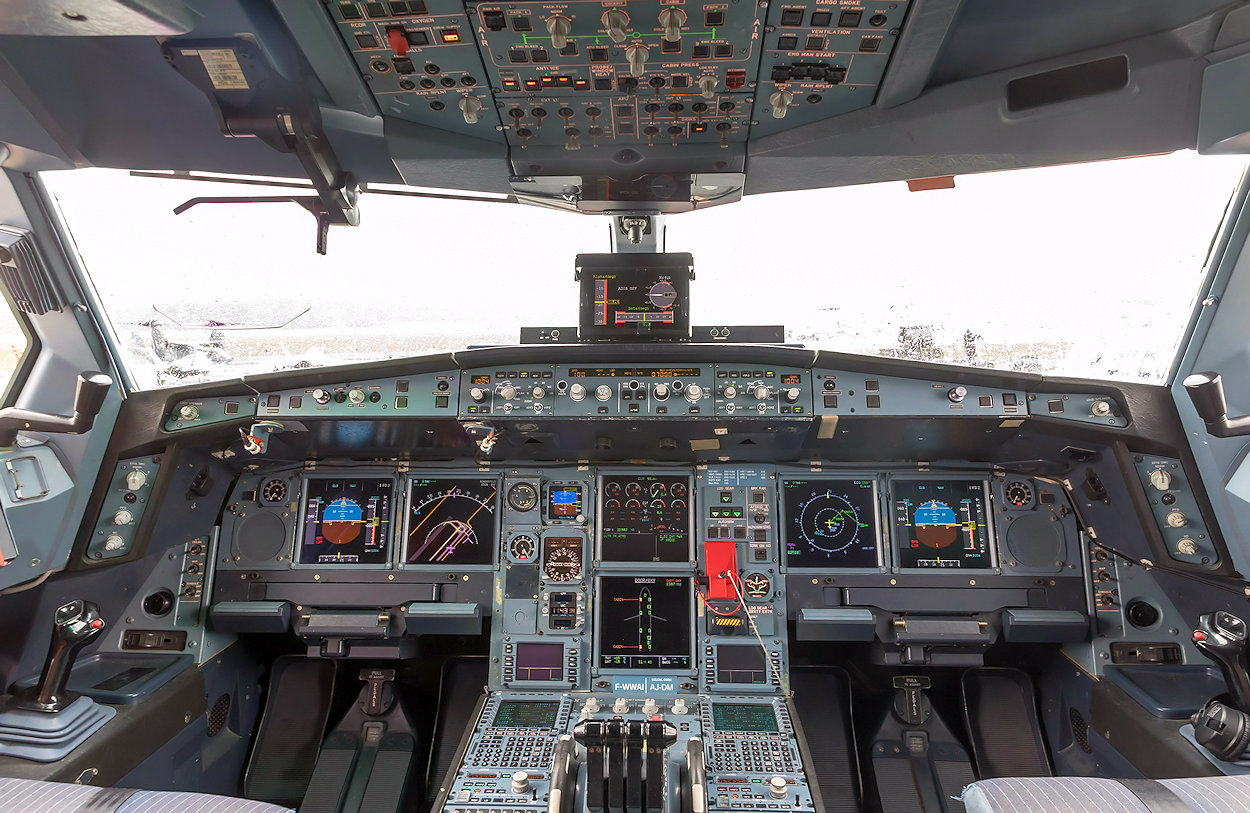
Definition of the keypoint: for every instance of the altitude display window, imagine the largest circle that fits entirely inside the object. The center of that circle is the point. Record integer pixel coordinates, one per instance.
(644, 518)
(941, 524)
(346, 521)
(644, 622)
(830, 523)
(451, 521)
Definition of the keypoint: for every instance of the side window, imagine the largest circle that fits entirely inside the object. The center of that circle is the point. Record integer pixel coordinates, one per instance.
(15, 344)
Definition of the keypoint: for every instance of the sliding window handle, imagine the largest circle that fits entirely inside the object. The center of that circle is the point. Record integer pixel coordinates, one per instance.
(89, 395)
(1206, 390)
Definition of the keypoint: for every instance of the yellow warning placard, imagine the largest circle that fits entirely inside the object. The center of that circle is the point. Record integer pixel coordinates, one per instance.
(223, 68)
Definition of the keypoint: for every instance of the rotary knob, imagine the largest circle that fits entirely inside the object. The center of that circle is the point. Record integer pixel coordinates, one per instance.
(469, 108)
(956, 394)
(661, 392)
(1186, 547)
(1100, 409)
(637, 54)
(592, 705)
(477, 394)
(123, 517)
(520, 782)
(321, 396)
(538, 392)
(649, 707)
(603, 392)
(694, 392)
(356, 396)
(780, 102)
(792, 394)
(188, 412)
(777, 787)
(679, 706)
(558, 27)
(1177, 520)
(731, 391)
(135, 480)
(1161, 479)
(620, 706)
(577, 392)
(114, 542)
(672, 19)
(707, 87)
(615, 21)
(507, 392)
(761, 393)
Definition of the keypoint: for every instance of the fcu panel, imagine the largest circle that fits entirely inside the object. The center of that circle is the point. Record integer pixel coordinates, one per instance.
(427, 395)
(842, 393)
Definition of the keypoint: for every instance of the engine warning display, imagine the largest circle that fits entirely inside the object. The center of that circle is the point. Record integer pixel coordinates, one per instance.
(941, 524)
(644, 518)
(347, 520)
(451, 521)
(830, 523)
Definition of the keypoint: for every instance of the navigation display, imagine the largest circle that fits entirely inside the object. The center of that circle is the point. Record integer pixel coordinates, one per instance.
(644, 622)
(543, 662)
(830, 523)
(941, 524)
(526, 714)
(743, 717)
(644, 518)
(634, 296)
(451, 521)
(741, 664)
(347, 520)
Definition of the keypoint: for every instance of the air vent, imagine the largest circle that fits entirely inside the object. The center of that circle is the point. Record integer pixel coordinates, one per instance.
(1080, 729)
(217, 715)
(1067, 84)
(24, 275)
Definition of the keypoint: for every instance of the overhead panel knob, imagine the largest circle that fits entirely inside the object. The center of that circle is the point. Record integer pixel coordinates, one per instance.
(1186, 547)
(558, 27)
(707, 87)
(780, 101)
(577, 392)
(672, 19)
(693, 392)
(637, 55)
(507, 392)
(615, 21)
(470, 107)
(477, 394)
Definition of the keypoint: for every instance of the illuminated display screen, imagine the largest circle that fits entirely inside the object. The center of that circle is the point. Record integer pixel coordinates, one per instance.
(644, 622)
(543, 662)
(634, 296)
(635, 372)
(526, 714)
(564, 501)
(347, 520)
(941, 524)
(741, 664)
(451, 521)
(743, 717)
(644, 518)
(829, 523)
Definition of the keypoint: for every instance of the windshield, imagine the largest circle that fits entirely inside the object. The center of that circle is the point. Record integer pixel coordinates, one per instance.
(1086, 270)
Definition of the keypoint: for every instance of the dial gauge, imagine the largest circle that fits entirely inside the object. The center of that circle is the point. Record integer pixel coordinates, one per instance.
(274, 491)
(757, 585)
(1019, 494)
(523, 497)
(522, 547)
(563, 559)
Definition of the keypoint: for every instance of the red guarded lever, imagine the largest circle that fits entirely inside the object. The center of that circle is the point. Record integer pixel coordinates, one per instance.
(398, 39)
(721, 560)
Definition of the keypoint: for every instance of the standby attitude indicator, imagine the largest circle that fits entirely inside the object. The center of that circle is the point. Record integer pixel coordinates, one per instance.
(942, 524)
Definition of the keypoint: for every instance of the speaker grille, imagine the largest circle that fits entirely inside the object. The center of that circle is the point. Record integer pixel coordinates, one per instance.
(217, 715)
(1080, 729)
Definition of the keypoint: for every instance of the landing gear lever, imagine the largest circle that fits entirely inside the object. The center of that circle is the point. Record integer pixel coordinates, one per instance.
(74, 625)
(1222, 637)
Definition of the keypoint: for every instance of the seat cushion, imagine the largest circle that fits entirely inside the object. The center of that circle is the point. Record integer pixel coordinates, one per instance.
(1076, 794)
(33, 796)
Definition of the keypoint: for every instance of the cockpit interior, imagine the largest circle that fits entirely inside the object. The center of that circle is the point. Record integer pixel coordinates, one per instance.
(624, 406)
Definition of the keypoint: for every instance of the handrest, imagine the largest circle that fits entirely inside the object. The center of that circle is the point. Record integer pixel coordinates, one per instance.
(1222, 637)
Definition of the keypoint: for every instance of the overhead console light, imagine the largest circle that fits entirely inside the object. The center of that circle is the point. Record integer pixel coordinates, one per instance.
(660, 193)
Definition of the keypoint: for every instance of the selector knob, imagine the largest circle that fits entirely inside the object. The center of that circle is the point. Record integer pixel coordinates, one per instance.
(188, 412)
(477, 394)
(592, 705)
(520, 782)
(780, 101)
(470, 107)
(777, 787)
(1161, 479)
(649, 706)
(123, 517)
(761, 393)
(693, 392)
(603, 392)
(356, 396)
(1177, 520)
(957, 394)
(620, 706)
(661, 391)
(507, 392)
(679, 706)
(792, 394)
(1186, 546)
(321, 396)
(707, 87)
(558, 27)
(577, 392)
(731, 391)
(615, 21)
(114, 542)
(538, 392)
(672, 19)
(1100, 409)
(637, 54)
(135, 480)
